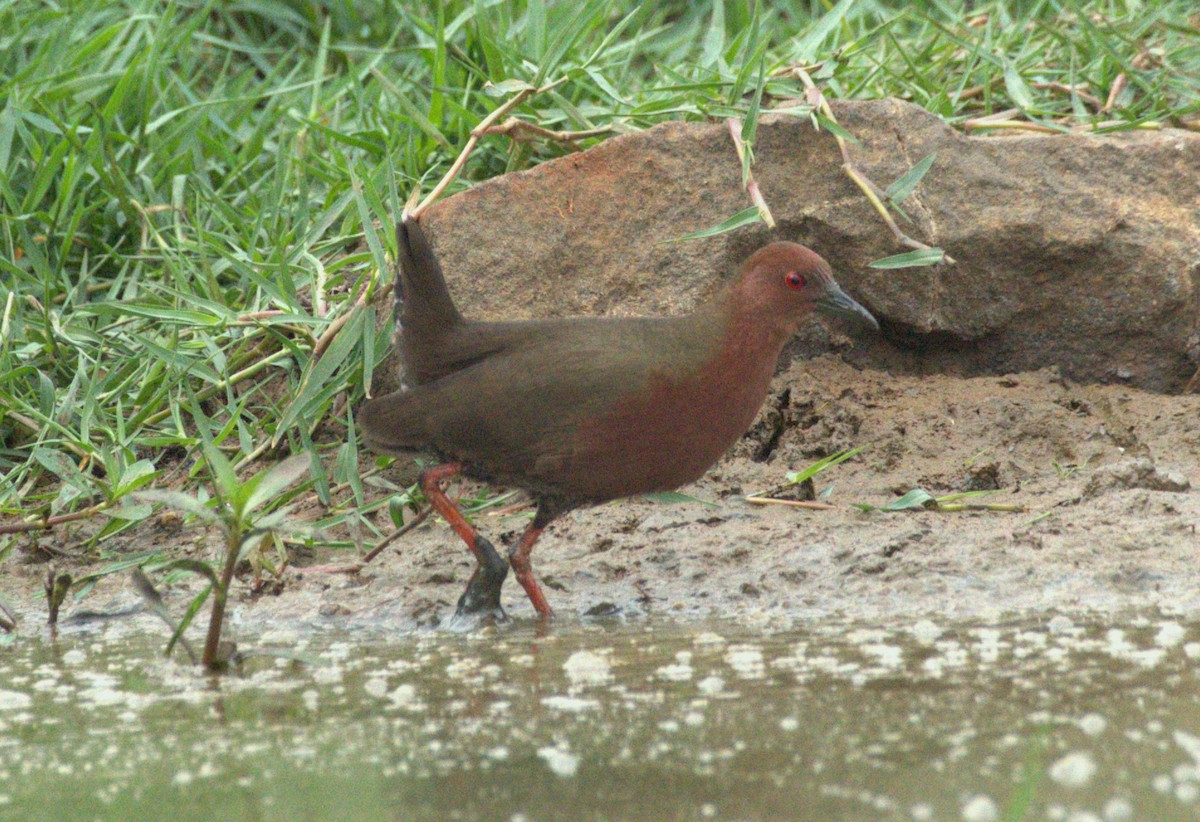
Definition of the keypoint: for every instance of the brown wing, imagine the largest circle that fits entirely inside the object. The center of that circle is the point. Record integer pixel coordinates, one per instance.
(515, 415)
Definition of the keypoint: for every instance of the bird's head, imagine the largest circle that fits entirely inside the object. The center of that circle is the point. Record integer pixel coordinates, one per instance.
(789, 281)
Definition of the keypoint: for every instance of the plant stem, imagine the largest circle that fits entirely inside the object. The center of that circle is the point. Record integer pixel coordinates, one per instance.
(751, 185)
(484, 125)
(817, 99)
(212, 640)
(49, 522)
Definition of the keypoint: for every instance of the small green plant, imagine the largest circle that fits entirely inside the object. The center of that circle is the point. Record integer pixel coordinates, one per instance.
(8, 623)
(1024, 797)
(919, 499)
(249, 516)
(804, 478)
(798, 477)
(57, 586)
(1066, 470)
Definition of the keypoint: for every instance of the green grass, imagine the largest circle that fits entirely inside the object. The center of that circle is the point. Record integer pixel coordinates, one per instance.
(172, 172)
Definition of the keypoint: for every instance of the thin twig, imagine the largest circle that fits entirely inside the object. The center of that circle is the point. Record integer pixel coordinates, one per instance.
(396, 534)
(1077, 90)
(477, 132)
(1002, 114)
(512, 508)
(258, 315)
(1148, 125)
(1193, 385)
(46, 523)
(752, 189)
(32, 427)
(522, 131)
(818, 101)
(1118, 86)
(983, 124)
(331, 331)
(355, 567)
(1053, 85)
(791, 503)
(486, 126)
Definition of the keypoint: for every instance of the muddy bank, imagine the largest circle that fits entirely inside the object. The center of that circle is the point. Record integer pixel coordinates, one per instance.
(1107, 476)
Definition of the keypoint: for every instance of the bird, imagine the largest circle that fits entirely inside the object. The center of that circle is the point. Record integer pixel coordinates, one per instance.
(582, 410)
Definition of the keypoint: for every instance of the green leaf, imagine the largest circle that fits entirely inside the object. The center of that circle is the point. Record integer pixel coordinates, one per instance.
(396, 509)
(750, 123)
(674, 497)
(143, 558)
(284, 522)
(224, 477)
(346, 466)
(807, 49)
(917, 498)
(505, 87)
(746, 217)
(316, 388)
(714, 38)
(268, 484)
(898, 191)
(179, 501)
(188, 615)
(131, 512)
(194, 566)
(187, 318)
(1017, 88)
(797, 477)
(834, 128)
(134, 477)
(58, 464)
(911, 259)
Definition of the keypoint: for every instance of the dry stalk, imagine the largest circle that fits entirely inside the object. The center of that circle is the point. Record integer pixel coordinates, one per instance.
(818, 101)
(512, 127)
(791, 503)
(984, 124)
(522, 131)
(46, 523)
(1078, 90)
(752, 189)
(1118, 86)
(254, 316)
(32, 427)
(479, 131)
(355, 567)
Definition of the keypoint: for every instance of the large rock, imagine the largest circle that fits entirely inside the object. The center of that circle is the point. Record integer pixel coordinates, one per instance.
(1076, 251)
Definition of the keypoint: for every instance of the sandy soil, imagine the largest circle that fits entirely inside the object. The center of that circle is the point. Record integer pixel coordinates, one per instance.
(1104, 474)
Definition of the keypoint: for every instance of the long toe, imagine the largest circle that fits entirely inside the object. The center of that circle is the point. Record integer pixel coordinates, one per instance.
(479, 604)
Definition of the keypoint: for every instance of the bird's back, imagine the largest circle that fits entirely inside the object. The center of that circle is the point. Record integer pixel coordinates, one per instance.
(524, 413)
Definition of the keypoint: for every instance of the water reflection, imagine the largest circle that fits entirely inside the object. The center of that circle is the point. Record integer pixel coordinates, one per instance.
(1062, 717)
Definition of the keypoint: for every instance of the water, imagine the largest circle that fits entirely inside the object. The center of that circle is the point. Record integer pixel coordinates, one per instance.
(1055, 719)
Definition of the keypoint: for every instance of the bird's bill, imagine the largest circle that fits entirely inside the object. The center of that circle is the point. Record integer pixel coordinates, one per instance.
(841, 304)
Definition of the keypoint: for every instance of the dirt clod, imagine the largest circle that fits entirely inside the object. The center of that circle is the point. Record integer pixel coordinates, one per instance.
(1135, 473)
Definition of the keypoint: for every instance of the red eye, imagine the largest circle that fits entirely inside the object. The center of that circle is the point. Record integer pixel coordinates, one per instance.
(794, 280)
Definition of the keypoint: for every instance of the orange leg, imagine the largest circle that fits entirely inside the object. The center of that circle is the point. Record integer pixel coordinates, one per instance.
(519, 558)
(482, 596)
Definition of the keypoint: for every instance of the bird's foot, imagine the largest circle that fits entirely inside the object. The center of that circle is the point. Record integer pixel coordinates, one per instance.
(479, 604)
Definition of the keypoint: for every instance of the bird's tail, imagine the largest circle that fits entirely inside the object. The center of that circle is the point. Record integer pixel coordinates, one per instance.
(397, 422)
(423, 304)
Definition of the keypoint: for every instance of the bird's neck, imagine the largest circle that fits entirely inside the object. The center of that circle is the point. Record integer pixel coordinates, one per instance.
(752, 335)
(735, 376)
